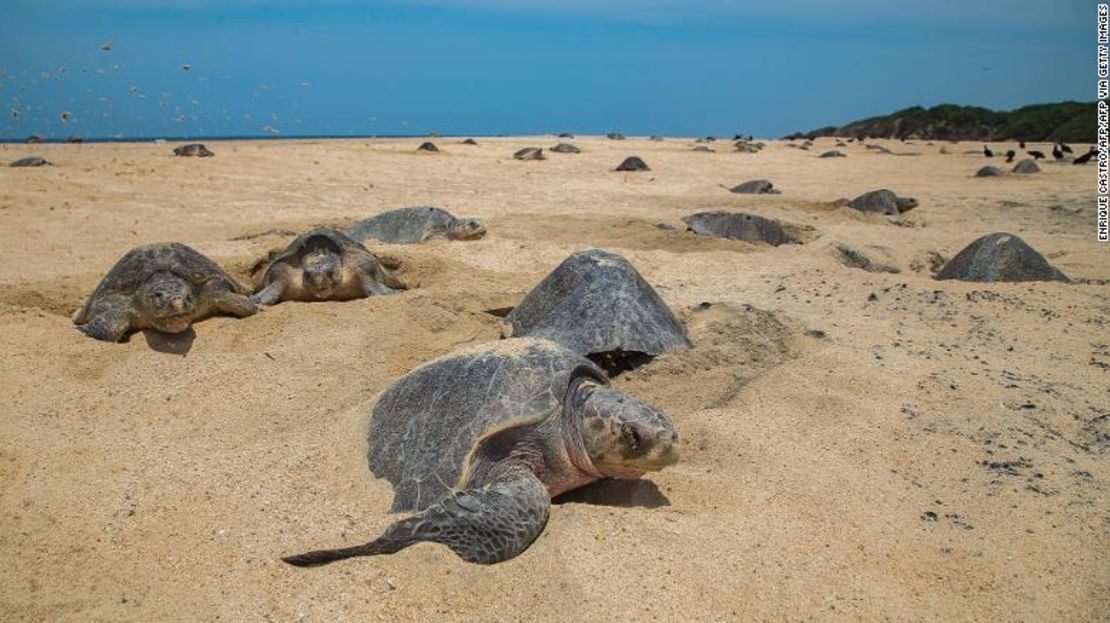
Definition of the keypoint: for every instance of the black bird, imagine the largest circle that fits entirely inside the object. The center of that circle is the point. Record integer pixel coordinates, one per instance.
(1066, 148)
(1021, 145)
(1010, 155)
(1056, 153)
(1085, 157)
(987, 152)
(1037, 155)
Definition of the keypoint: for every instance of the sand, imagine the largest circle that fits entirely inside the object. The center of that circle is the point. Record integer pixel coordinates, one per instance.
(854, 444)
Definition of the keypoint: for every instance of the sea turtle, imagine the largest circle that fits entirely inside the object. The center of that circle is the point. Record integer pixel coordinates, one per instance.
(999, 257)
(633, 163)
(738, 226)
(598, 305)
(882, 202)
(468, 141)
(193, 149)
(427, 146)
(530, 153)
(416, 224)
(655, 137)
(755, 187)
(565, 148)
(30, 161)
(34, 139)
(166, 286)
(615, 136)
(324, 265)
(1026, 167)
(701, 148)
(833, 154)
(477, 442)
(565, 135)
(988, 171)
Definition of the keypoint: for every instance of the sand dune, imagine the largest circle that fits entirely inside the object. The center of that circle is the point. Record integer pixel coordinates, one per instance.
(855, 444)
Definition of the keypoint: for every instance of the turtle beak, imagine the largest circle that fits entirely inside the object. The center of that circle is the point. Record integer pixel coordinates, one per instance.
(178, 304)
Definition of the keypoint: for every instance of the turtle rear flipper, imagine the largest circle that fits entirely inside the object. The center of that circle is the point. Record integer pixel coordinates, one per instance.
(485, 525)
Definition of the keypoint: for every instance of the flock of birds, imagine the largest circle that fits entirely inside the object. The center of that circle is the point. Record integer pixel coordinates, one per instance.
(1060, 151)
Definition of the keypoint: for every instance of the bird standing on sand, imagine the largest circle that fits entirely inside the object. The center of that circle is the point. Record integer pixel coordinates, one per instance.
(1085, 158)
(1021, 145)
(1010, 155)
(1037, 155)
(1057, 153)
(1066, 148)
(987, 152)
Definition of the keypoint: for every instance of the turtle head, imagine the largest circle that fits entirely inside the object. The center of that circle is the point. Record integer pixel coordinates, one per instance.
(623, 435)
(167, 302)
(323, 272)
(466, 229)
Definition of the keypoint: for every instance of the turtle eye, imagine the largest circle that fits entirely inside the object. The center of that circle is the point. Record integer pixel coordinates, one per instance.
(632, 436)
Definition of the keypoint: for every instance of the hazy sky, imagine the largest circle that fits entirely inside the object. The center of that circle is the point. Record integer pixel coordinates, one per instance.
(679, 67)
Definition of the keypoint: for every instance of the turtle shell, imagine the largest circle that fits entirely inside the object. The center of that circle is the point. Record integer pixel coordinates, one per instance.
(738, 226)
(404, 225)
(326, 237)
(140, 263)
(596, 302)
(424, 426)
(1000, 257)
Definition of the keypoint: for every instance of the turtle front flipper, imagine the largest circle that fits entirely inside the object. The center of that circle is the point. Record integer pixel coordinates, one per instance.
(483, 525)
(234, 304)
(109, 319)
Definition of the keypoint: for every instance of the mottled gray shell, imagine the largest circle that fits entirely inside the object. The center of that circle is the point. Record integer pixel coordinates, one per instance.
(1000, 257)
(738, 226)
(633, 163)
(326, 237)
(193, 149)
(755, 187)
(424, 426)
(596, 302)
(988, 171)
(882, 202)
(566, 148)
(31, 161)
(1026, 167)
(530, 153)
(833, 154)
(138, 264)
(404, 226)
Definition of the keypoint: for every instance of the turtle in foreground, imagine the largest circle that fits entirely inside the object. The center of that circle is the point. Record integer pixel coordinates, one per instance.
(598, 305)
(324, 265)
(196, 150)
(989, 171)
(738, 226)
(1026, 167)
(30, 161)
(167, 287)
(476, 443)
(415, 225)
(530, 153)
(566, 148)
(882, 202)
(755, 187)
(427, 146)
(1000, 257)
(633, 163)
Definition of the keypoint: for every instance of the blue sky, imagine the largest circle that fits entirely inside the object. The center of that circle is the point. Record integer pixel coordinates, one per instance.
(677, 67)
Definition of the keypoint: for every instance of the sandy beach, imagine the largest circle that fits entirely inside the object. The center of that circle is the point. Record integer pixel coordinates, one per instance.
(855, 445)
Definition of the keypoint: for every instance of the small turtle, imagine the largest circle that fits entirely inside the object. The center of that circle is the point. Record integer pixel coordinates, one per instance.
(167, 287)
(745, 147)
(193, 149)
(74, 139)
(1026, 167)
(701, 148)
(615, 136)
(324, 265)
(755, 187)
(477, 442)
(882, 202)
(415, 225)
(468, 141)
(34, 139)
(565, 135)
(988, 171)
(427, 146)
(655, 137)
(999, 257)
(530, 153)
(598, 305)
(833, 154)
(30, 161)
(633, 163)
(738, 226)
(565, 148)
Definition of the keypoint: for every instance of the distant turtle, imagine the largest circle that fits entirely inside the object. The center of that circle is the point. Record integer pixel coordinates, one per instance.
(193, 149)
(738, 226)
(167, 287)
(427, 146)
(1026, 167)
(615, 136)
(34, 139)
(530, 153)
(655, 137)
(988, 171)
(882, 202)
(30, 161)
(833, 154)
(755, 187)
(324, 265)
(633, 163)
(598, 305)
(74, 139)
(468, 141)
(701, 148)
(477, 442)
(566, 135)
(999, 257)
(415, 225)
(746, 147)
(565, 148)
